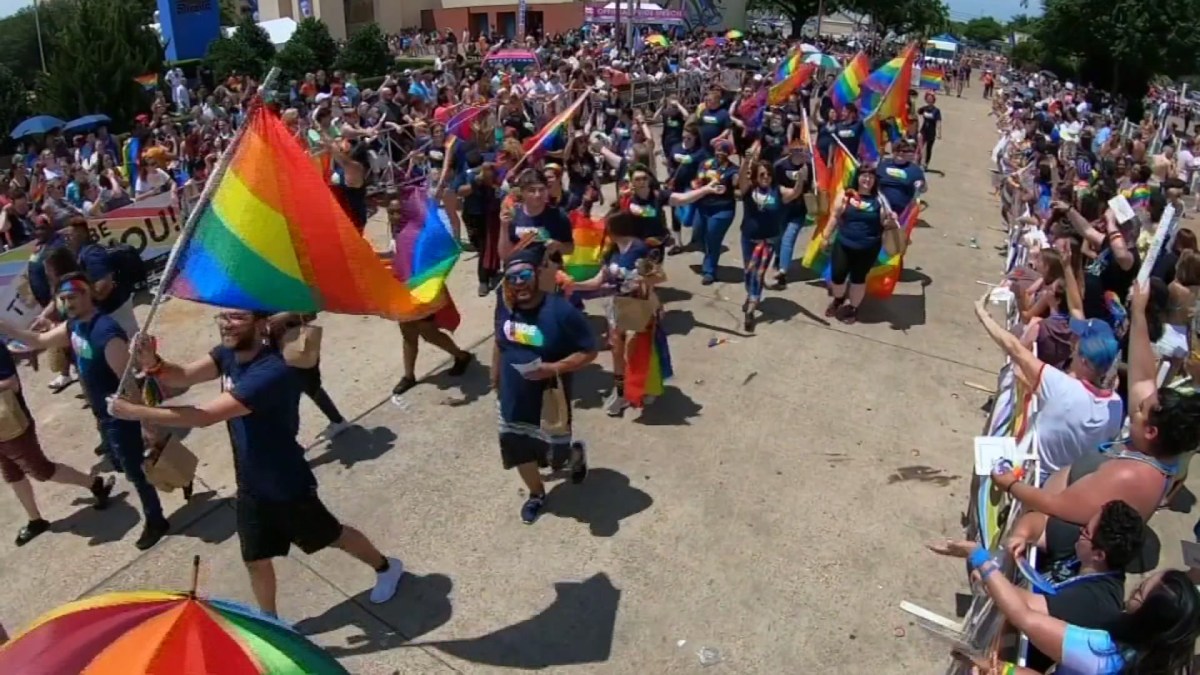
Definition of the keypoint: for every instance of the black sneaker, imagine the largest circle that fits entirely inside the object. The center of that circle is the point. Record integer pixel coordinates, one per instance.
(152, 533)
(848, 314)
(748, 322)
(31, 530)
(676, 250)
(404, 385)
(484, 289)
(532, 508)
(101, 489)
(579, 464)
(707, 280)
(460, 364)
(781, 281)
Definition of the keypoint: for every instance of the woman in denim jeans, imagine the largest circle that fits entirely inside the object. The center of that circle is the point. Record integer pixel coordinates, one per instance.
(714, 212)
(764, 207)
(791, 172)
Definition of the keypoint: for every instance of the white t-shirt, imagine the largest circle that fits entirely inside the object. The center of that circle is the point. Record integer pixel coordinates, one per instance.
(1074, 417)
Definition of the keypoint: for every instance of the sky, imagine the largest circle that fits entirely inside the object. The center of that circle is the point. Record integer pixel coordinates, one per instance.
(11, 6)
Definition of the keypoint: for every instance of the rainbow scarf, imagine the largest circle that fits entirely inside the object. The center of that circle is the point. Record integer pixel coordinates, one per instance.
(588, 234)
(647, 365)
(848, 85)
(931, 78)
(273, 238)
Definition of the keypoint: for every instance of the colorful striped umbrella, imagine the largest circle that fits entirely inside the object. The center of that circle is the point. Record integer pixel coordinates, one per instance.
(146, 632)
(734, 34)
(823, 61)
(658, 40)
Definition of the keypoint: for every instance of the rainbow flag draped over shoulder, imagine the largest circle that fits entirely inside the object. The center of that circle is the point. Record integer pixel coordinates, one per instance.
(931, 78)
(273, 238)
(883, 277)
(588, 234)
(542, 140)
(848, 85)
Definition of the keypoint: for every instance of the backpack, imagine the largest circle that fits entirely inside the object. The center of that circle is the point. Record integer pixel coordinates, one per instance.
(129, 270)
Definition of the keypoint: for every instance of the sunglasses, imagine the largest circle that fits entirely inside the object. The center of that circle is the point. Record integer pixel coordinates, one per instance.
(520, 276)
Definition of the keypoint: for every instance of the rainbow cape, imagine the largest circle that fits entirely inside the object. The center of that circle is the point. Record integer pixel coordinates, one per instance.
(273, 238)
(883, 277)
(588, 234)
(931, 78)
(542, 140)
(779, 92)
(848, 85)
(647, 364)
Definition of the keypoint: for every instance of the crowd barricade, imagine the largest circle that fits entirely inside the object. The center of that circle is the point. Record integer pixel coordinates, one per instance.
(648, 94)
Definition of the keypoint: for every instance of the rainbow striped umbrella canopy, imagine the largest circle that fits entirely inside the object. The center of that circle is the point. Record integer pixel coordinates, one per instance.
(160, 632)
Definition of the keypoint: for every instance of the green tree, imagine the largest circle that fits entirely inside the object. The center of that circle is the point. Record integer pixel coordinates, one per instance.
(1022, 23)
(257, 39)
(314, 34)
(983, 30)
(366, 53)
(229, 55)
(796, 11)
(14, 103)
(97, 54)
(911, 18)
(296, 59)
(19, 50)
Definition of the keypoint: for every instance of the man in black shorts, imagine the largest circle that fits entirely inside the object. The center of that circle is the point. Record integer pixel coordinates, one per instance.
(277, 502)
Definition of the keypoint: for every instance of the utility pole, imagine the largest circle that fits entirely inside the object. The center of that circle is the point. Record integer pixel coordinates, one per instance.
(820, 15)
(37, 22)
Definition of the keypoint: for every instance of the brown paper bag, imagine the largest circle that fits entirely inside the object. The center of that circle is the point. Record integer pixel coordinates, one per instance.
(173, 468)
(634, 314)
(556, 412)
(893, 241)
(301, 346)
(13, 420)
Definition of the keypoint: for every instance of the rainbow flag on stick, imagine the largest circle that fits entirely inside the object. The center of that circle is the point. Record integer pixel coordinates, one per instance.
(892, 81)
(779, 92)
(273, 238)
(588, 234)
(931, 78)
(460, 124)
(848, 85)
(839, 177)
(883, 277)
(541, 141)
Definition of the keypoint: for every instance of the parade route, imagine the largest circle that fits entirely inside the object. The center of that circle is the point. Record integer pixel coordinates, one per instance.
(768, 513)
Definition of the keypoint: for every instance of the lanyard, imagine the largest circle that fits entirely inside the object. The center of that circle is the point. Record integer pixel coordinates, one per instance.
(1083, 577)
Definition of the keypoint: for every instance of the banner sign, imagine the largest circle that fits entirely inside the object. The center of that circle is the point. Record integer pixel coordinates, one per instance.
(605, 15)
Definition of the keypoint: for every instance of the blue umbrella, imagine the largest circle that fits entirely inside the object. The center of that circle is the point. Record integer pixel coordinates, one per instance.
(36, 125)
(86, 123)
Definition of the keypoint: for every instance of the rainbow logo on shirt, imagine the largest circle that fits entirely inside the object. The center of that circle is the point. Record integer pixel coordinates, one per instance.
(646, 211)
(524, 334)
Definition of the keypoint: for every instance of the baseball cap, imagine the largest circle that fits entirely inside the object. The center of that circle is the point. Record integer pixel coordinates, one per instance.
(1097, 342)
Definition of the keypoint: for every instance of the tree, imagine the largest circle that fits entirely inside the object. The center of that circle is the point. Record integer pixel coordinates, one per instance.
(257, 39)
(296, 59)
(796, 11)
(366, 53)
(314, 34)
(1022, 23)
(97, 54)
(14, 104)
(229, 55)
(19, 49)
(984, 30)
(903, 17)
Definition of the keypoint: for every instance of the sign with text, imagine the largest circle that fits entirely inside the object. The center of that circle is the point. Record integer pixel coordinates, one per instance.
(188, 27)
(672, 17)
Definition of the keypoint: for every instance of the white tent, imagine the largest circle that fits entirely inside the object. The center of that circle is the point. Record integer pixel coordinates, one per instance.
(280, 30)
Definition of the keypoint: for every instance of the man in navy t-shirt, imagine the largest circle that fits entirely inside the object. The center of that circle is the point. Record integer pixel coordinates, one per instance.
(900, 178)
(277, 502)
(101, 354)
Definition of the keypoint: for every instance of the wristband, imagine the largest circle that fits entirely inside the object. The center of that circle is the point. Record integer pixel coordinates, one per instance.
(1009, 668)
(979, 557)
(984, 574)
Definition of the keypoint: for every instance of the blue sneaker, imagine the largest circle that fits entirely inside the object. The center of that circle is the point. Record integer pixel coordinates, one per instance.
(532, 508)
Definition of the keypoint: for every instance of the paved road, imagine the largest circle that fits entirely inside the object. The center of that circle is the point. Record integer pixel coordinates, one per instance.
(771, 506)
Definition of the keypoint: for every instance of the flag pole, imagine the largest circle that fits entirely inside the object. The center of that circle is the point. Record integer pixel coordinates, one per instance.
(189, 227)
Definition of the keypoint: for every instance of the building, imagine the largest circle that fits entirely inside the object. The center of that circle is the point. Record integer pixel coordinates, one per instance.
(837, 24)
(344, 16)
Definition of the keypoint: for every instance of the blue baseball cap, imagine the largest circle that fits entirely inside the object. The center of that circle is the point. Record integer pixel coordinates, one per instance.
(1097, 342)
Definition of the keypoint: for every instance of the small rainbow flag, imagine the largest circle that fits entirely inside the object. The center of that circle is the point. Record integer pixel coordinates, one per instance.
(840, 176)
(883, 277)
(148, 81)
(541, 141)
(931, 78)
(789, 65)
(460, 124)
(782, 90)
(1138, 196)
(273, 238)
(848, 85)
(648, 365)
(588, 234)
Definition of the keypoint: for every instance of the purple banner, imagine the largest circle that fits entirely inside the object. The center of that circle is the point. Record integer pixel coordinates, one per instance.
(604, 15)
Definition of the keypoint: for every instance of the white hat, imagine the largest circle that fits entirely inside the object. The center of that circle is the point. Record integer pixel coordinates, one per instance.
(322, 96)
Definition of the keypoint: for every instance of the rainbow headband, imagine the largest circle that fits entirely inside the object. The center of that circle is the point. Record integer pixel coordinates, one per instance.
(73, 286)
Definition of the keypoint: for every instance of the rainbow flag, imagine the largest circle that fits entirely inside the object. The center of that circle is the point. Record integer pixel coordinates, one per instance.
(460, 124)
(588, 234)
(1138, 196)
(870, 147)
(273, 238)
(839, 177)
(883, 277)
(647, 365)
(782, 90)
(893, 80)
(848, 85)
(148, 81)
(131, 153)
(788, 66)
(820, 170)
(542, 140)
(931, 78)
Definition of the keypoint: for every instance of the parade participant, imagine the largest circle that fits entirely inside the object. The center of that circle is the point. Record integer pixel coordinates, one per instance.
(687, 156)
(900, 179)
(477, 188)
(405, 214)
(858, 219)
(849, 129)
(22, 457)
(764, 206)
(579, 162)
(673, 116)
(549, 227)
(541, 340)
(277, 503)
(715, 210)
(353, 162)
(113, 296)
(793, 173)
(713, 119)
(101, 353)
(931, 127)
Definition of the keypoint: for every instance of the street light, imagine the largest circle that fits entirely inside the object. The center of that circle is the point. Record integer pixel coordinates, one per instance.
(37, 21)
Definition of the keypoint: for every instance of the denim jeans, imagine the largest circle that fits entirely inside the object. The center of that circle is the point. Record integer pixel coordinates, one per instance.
(785, 246)
(709, 228)
(126, 451)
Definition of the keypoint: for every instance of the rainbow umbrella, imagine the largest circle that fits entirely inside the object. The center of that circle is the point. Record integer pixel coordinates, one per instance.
(734, 35)
(822, 61)
(658, 40)
(162, 632)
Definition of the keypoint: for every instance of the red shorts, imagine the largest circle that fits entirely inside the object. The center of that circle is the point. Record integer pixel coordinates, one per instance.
(23, 456)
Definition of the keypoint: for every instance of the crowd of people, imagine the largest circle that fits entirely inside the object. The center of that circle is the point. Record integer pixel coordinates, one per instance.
(1106, 317)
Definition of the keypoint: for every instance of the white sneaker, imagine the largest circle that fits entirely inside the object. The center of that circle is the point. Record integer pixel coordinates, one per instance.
(387, 581)
(332, 430)
(61, 382)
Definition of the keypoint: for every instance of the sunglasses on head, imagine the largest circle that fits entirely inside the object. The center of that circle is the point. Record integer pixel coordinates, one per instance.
(522, 276)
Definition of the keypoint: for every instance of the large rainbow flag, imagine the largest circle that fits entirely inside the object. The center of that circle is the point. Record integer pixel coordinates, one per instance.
(542, 140)
(840, 176)
(848, 85)
(893, 80)
(779, 92)
(273, 238)
(883, 277)
(587, 232)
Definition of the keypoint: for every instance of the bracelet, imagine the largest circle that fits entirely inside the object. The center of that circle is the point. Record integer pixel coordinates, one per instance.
(1009, 668)
(979, 557)
(984, 574)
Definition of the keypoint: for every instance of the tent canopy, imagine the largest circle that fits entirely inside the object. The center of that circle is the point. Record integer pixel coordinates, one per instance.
(280, 30)
(944, 37)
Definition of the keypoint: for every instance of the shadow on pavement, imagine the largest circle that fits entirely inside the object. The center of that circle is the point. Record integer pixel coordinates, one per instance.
(590, 384)
(909, 275)
(576, 628)
(193, 518)
(422, 604)
(602, 501)
(673, 409)
(356, 444)
(472, 385)
(101, 527)
(682, 322)
(901, 311)
(669, 294)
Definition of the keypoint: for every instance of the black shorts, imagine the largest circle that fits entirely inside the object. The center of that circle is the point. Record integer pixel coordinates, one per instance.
(268, 529)
(854, 263)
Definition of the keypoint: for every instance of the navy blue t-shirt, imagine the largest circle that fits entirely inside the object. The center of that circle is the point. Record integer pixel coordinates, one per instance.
(687, 163)
(850, 134)
(550, 225)
(88, 341)
(672, 129)
(898, 184)
(96, 263)
(787, 174)
(763, 213)
(651, 214)
(862, 223)
(268, 461)
(551, 332)
(712, 124)
(710, 171)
